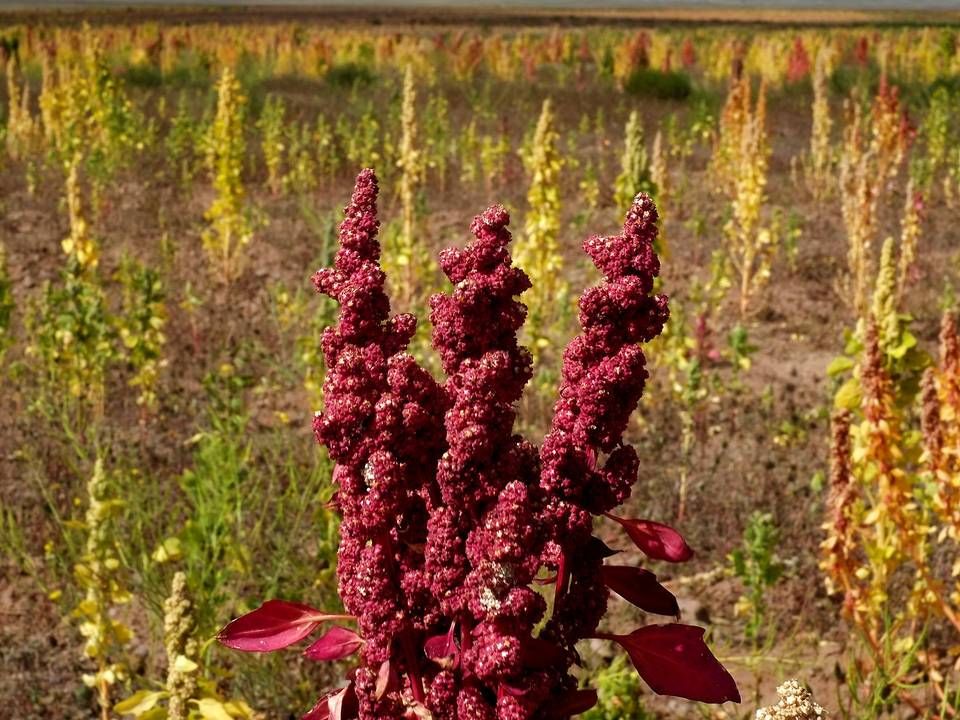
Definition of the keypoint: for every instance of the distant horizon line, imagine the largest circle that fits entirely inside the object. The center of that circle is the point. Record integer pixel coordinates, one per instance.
(635, 13)
(580, 5)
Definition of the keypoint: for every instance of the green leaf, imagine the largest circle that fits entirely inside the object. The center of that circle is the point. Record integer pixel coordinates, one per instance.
(906, 342)
(839, 364)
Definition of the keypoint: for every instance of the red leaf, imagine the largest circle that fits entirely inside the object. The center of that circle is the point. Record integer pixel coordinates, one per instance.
(272, 626)
(657, 541)
(320, 711)
(333, 504)
(505, 689)
(443, 650)
(541, 654)
(387, 679)
(335, 644)
(674, 660)
(572, 702)
(341, 705)
(439, 647)
(336, 704)
(640, 587)
(600, 548)
(417, 711)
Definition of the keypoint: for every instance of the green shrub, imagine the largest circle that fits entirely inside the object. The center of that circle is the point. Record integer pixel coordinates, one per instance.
(618, 693)
(663, 85)
(349, 75)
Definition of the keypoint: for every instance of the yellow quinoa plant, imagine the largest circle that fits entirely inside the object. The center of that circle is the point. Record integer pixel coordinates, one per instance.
(911, 228)
(407, 259)
(538, 251)
(229, 228)
(891, 527)
(186, 694)
(752, 245)
(99, 575)
(86, 111)
(860, 190)
(819, 167)
(23, 131)
(731, 128)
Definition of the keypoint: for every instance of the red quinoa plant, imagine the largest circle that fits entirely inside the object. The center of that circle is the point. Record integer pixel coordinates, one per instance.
(453, 526)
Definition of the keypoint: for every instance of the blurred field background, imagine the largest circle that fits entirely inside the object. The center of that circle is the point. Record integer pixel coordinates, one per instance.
(170, 179)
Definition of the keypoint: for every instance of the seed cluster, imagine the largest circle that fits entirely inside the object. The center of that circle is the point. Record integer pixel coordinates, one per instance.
(450, 519)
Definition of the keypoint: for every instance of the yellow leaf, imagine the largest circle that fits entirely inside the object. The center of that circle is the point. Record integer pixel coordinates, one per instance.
(211, 709)
(168, 550)
(184, 664)
(848, 396)
(157, 713)
(139, 702)
(239, 709)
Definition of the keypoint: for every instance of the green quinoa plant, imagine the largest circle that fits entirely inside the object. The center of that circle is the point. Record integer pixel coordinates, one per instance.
(634, 174)
(328, 154)
(618, 693)
(757, 566)
(468, 146)
(360, 138)
(216, 492)
(7, 306)
(71, 330)
(438, 143)
(271, 127)
(302, 170)
(181, 142)
(184, 143)
(589, 192)
(494, 149)
(141, 329)
(661, 184)
(300, 327)
(937, 136)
